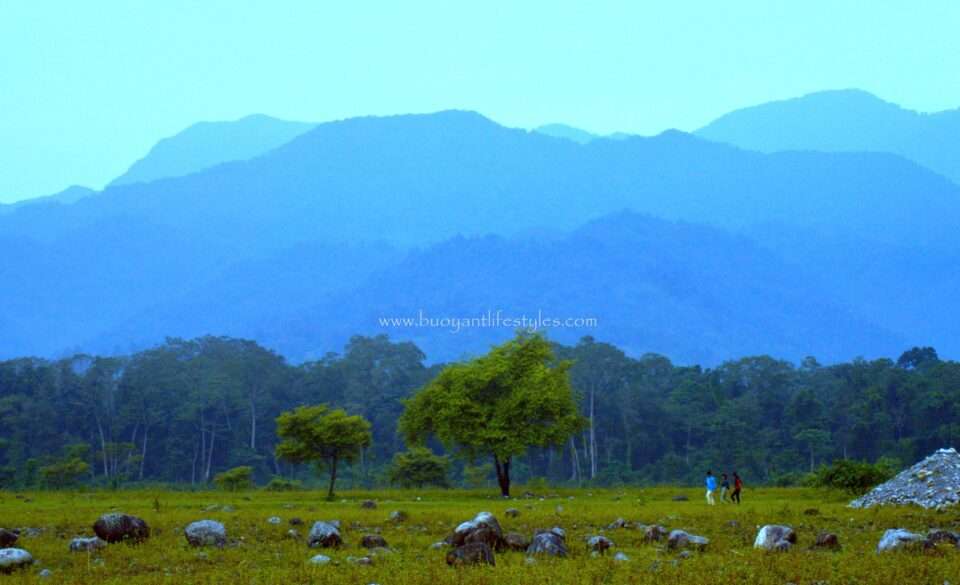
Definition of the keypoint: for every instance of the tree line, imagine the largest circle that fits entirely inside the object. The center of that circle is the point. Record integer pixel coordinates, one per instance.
(184, 411)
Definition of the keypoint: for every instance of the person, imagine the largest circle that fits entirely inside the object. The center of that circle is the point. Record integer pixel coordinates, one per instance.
(724, 488)
(711, 487)
(737, 486)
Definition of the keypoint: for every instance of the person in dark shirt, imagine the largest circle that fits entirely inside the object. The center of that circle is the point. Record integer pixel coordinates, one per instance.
(724, 488)
(737, 486)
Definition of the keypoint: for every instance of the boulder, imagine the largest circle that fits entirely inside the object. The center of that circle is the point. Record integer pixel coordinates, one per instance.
(368, 505)
(516, 542)
(12, 559)
(206, 533)
(8, 538)
(87, 544)
(599, 544)
(475, 553)
(121, 528)
(296, 521)
(654, 533)
(900, 539)
(512, 512)
(827, 540)
(938, 535)
(373, 541)
(774, 537)
(324, 535)
(398, 516)
(617, 524)
(678, 539)
(483, 528)
(550, 543)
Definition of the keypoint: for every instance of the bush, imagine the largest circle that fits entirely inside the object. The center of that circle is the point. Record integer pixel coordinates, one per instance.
(232, 480)
(280, 484)
(855, 477)
(419, 467)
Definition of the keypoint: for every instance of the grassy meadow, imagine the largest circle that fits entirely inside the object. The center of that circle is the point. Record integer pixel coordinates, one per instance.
(264, 553)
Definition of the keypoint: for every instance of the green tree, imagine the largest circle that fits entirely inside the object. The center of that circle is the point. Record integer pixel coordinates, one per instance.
(419, 467)
(316, 434)
(498, 405)
(236, 479)
(67, 471)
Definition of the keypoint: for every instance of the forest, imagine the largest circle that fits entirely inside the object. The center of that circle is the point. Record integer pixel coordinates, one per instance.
(180, 413)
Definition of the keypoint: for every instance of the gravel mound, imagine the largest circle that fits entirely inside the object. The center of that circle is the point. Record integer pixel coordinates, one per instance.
(932, 483)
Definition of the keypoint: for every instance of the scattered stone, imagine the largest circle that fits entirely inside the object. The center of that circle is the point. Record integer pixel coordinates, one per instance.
(368, 505)
(512, 512)
(228, 508)
(121, 528)
(439, 545)
(324, 535)
(681, 498)
(398, 516)
(88, 544)
(8, 538)
(483, 528)
(275, 520)
(373, 541)
(900, 539)
(938, 535)
(45, 574)
(516, 542)
(774, 537)
(206, 533)
(599, 544)
(931, 483)
(827, 540)
(360, 560)
(621, 557)
(319, 560)
(296, 521)
(654, 533)
(678, 539)
(811, 512)
(293, 534)
(684, 554)
(549, 543)
(617, 524)
(12, 559)
(475, 553)
(30, 532)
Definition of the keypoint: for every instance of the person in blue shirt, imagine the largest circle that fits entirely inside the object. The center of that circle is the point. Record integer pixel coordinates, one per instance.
(711, 487)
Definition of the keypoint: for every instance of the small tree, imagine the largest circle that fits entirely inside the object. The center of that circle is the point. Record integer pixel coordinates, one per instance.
(68, 470)
(315, 434)
(236, 479)
(419, 467)
(498, 405)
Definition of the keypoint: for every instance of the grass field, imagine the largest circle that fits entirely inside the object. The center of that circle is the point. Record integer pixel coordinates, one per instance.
(264, 553)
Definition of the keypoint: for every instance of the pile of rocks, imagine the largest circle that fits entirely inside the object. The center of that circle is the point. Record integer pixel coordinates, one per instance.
(932, 483)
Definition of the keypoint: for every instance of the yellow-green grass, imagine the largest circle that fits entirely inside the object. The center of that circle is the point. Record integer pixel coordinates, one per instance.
(263, 553)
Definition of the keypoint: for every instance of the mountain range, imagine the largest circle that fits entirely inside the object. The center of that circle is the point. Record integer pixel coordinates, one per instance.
(301, 235)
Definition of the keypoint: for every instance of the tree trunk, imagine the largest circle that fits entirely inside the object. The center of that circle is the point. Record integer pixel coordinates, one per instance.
(574, 462)
(593, 438)
(143, 451)
(253, 424)
(103, 449)
(333, 477)
(503, 475)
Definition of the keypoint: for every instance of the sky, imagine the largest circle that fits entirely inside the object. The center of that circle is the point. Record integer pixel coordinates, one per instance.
(86, 88)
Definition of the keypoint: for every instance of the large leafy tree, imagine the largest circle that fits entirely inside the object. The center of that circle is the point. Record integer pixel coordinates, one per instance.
(498, 405)
(316, 434)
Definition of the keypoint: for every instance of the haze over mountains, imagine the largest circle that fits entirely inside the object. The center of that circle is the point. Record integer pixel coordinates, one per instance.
(300, 235)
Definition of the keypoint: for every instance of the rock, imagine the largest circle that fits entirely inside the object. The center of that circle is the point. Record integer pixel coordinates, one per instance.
(8, 538)
(620, 557)
(774, 537)
(88, 544)
(398, 516)
(900, 539)
(681, 498)
(45, 574)
(599, 544)
(678, 539)
(319, 560)
(931, 483)
(373, 541)
(228, 508)
(206, 533)
(121, 528)
(12, 559)
(827, 540)
(296, 521)
(368, 505)
(360, 560)
(938, 535)
(617, 524)
(324, 535)
(275, 520)
(654, 533)
(439, 545)
(512, 512)
(293, 534)
(483, 528)
(516, 542)
(549, 543)
(475, 553)
(811, 512)
(684, 554)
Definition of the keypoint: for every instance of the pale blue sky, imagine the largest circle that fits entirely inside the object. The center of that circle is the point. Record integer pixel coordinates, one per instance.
(87, 87)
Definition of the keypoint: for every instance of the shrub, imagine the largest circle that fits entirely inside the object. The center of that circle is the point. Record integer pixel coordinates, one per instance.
(238, 478)
(855, 477)
(419, 467)
(280, 484)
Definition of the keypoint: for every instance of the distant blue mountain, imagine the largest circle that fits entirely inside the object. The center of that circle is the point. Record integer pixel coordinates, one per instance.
(349, 210)
(67, 196)
(844, 121)
(208, 144)
(575, 134)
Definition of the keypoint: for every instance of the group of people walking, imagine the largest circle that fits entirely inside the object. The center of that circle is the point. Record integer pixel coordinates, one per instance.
(724, 488)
